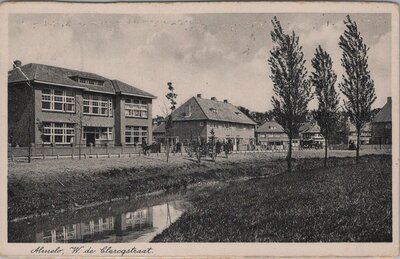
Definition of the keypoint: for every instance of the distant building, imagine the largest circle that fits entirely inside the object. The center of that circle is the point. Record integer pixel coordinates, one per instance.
(272, 135)
(50, 105)
(382, 125)
(198, 116)
(310, 135)
(366, 134)
(159, 133)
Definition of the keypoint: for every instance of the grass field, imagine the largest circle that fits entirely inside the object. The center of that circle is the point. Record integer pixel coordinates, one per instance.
(344, 203)
(263, 209)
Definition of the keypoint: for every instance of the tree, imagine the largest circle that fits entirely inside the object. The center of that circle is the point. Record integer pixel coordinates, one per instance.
(171, 97)
(291, 86)
(356, 85)
(323, 79)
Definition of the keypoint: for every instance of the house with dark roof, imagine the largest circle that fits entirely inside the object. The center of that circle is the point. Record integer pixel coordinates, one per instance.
(197, 117)
(365, 136)
(272, 135)
(159, 133)
(50, 105)
(382, 125)
(310, 134)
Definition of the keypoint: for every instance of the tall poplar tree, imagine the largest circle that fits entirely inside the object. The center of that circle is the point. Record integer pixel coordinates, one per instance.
(171, 97)
(356, 85)
(291, 86)
(323, 78)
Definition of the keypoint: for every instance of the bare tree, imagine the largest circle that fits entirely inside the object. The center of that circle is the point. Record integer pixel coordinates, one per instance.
(171, 97)
(291, 86)
(356, 85)
(323, 78)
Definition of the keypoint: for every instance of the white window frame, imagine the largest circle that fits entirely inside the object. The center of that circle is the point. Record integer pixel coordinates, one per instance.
(140, 132)
(66, 99)
(136, 108)
(91, 102)
(54, 129)
(99, 132)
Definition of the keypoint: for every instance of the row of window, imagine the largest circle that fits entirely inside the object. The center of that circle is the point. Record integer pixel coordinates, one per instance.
(59, 133)
(136, 108)
(97, 105)
(57, 100)
(64, 101)
(135, 135)
(64, 133)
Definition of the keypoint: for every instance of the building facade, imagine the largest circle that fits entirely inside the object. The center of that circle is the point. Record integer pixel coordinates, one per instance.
(198, 117)
(310, 135)
(272, 135)
(50, 105)
(365, 138)
(382, 125)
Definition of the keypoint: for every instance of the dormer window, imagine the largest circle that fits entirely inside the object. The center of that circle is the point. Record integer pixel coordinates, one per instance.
(88, 81)
(213, 110)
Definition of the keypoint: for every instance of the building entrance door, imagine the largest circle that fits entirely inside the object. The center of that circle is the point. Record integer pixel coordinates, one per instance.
(90, 138)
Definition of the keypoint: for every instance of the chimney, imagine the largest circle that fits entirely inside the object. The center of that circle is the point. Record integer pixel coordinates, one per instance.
(225, 101)
(213, 98)
(198, 95)
(389, 99)
(17, 63)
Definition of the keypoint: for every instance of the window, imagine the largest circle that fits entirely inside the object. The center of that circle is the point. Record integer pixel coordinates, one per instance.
(88, 81)
(101, 133)
(135, 134)
(58, 100)
(97, 105)
(136, 108)
(201, 123)
(58, 133)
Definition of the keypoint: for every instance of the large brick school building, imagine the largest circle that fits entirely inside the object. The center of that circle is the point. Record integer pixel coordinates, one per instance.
(50, 105)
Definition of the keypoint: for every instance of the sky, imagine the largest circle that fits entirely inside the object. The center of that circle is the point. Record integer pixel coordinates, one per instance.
(217, 55)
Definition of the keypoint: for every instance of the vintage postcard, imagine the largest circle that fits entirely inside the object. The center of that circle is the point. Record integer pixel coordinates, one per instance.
(240, 129)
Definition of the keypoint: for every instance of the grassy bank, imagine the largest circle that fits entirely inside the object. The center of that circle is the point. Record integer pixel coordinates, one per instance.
(346, 202)
(48, 186)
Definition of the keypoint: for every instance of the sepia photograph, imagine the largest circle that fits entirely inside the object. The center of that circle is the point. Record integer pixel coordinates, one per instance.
(153, 127)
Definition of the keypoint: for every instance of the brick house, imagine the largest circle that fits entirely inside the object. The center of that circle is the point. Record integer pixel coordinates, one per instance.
(159, 133)
(310, 134)
(366, 134)
(272, 135)
(53, 105)
(198, 116)
(382, 125)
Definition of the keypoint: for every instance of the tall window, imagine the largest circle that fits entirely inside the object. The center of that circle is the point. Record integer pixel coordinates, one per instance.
(135, 135)
(97, 105)
(136, 108)
(58, 100)
(58, 133)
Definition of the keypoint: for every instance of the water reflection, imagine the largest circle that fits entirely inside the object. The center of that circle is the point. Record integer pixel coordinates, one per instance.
(106, 225)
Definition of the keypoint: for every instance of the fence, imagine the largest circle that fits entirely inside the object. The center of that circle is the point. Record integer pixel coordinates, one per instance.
(44, 152)
(55, 152)
(362, 147)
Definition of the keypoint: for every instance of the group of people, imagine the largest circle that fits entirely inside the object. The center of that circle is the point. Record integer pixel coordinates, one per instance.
(223, 146)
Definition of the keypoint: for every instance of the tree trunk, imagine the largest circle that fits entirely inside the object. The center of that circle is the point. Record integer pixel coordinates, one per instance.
(358, 145)
(289, 155)
(167, 146)
(326, 152)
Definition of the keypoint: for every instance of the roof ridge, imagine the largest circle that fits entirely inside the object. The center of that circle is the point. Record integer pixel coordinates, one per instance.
(201, 108)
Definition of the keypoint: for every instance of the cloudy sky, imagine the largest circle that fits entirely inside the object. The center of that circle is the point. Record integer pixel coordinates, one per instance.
(221, 55)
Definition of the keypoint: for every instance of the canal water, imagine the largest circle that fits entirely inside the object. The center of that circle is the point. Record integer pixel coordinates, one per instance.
(138, 220)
